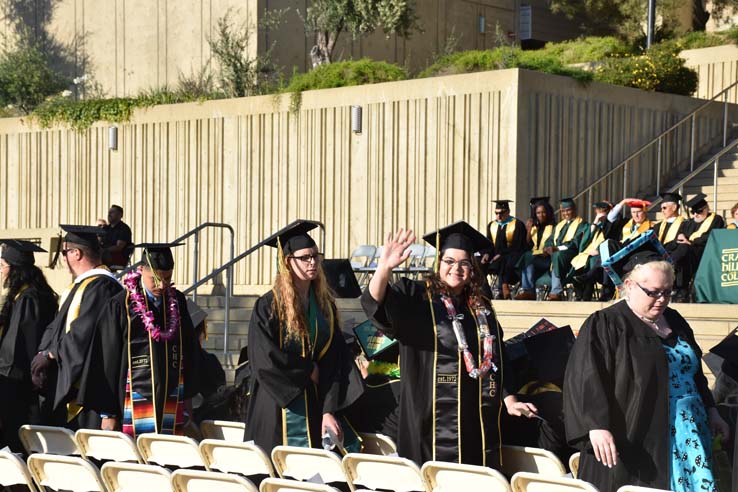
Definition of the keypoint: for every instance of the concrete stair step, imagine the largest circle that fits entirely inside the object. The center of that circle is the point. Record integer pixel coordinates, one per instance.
(725, 191)
(708, 180)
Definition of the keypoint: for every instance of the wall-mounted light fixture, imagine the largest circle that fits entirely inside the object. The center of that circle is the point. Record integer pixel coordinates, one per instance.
(356, 119)
(113, 138)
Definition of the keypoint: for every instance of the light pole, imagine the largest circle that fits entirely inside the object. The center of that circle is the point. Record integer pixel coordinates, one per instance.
(651, 22)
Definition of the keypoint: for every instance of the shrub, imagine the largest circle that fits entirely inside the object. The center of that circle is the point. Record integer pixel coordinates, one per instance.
(588, 49)
(658, 69)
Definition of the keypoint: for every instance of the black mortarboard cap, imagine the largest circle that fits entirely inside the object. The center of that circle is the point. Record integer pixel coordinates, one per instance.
(697, 203)
(567, 202)
(644, 249)
(606, 205)
(539, 200)
(671, 197)
(158, 256)
(17, 252)
(727, 350)
(197, 314)
(548, 353)
(458, 235)
(83, 235)
(502, 204)
(375, 344)
(293, 237)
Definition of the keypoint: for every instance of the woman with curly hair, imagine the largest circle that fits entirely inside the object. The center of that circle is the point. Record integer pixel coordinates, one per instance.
(303, 374)
(30, 305)
(452, 359)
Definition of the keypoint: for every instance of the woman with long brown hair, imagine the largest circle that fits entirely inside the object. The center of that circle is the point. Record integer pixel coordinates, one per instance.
(452, 359)
(302, 371)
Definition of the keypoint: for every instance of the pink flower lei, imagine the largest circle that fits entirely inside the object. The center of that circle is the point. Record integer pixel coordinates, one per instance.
(131, 283)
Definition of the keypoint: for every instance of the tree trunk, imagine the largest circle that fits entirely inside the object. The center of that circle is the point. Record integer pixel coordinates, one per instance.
(320, 54)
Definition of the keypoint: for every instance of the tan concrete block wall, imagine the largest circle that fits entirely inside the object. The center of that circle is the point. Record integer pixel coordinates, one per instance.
(717, 68)
(432, 151)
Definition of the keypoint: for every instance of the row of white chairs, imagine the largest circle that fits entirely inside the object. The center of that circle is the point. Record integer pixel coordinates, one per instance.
(364, 260)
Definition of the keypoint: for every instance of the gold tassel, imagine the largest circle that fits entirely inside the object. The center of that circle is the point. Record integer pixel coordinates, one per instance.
(281, 261)
(437, 261)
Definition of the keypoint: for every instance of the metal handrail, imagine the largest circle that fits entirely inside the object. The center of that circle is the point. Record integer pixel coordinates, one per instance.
(228, 266)
(658, 140)
(715, 161)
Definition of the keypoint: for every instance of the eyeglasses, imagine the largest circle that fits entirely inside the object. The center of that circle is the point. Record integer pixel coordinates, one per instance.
(65, 251)
(316, 257)
(463, 264)
(655, 294)
(664, 207)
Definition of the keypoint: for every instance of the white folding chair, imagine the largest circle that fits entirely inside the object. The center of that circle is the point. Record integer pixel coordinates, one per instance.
(383, 472)
(167, 450)
(206, 481)
(282, 485)
(377, 444)
(13, 471)
(306, 463)
(135, 477)
(236, 457)
(225, 430)
(635, 488)
(107, 446)
(365, 251)
(70, 473)
(535, 460)
(535, 482)
(48, 440)
(574, 464)
(451, 477)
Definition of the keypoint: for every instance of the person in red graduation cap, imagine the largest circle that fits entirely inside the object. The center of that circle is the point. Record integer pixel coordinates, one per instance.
(452, 359)
(57, 368)
(302, 372)
(30, 304)
(143, 366)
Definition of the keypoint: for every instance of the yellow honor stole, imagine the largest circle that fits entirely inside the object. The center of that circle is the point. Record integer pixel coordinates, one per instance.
(704, 227)
(573, 226)
(509, 231)
(539, 244)
(627, 235)
(673, 229)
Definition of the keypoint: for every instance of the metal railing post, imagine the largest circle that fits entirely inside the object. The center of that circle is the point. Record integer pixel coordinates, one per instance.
(691, 145)
(589, 205)
(658, 168)
(195, 265)
(725, 119)
(715, 185)
(227, 317)
(625, 179)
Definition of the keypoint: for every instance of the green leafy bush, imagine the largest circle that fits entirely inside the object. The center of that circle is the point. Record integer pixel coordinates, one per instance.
(26, 79)
(588, 49)
(659, 69)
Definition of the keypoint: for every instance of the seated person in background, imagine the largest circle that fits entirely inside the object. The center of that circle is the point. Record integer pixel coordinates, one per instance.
(587, 265)
(569, 236)
(733, 222)
(700, 225)
(116, 240)
(668, 232)
(535, 261)
(638, 223)
(507, 234)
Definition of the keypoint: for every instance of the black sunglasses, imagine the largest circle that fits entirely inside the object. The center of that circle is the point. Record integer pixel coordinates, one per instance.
(655, 294)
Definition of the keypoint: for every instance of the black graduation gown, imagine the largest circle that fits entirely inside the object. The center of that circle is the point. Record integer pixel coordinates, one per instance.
(104, 387)
(407, 315)
(280, 376)
(71, 350)
(32, 311)
(510, 253)
(682, 255)
(378, 408)
(699, 243)
(617, 379)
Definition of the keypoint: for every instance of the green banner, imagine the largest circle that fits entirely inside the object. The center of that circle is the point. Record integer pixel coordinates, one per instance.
(717, 276)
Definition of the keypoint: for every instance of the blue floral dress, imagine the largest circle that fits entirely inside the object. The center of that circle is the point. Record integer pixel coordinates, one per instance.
(691, 451)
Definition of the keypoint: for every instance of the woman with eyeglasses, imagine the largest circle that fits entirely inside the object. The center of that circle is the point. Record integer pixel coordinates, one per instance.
(30, 305)
(452, 359)
(636, 402)
(302, 372)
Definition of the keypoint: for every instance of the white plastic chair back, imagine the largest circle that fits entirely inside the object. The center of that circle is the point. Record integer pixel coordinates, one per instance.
(535, 482)
(13, 471)
(135, 477)
(222, 429)
(167, 450)
(377, 444)
(202, 481)
(305, 463)
(366, 251)
(383, 472)
(107, 446)
(635, 488)
(574, 464)
(236, 457)
(535, 460)
(282, 485)
(48, 440)
(451, 477)
(70, 473)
